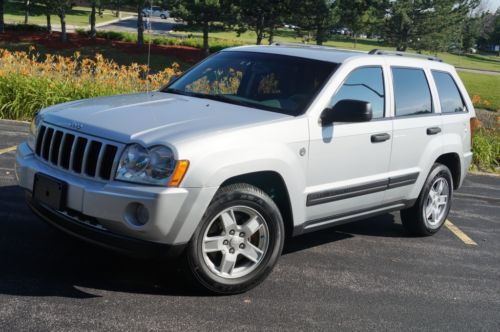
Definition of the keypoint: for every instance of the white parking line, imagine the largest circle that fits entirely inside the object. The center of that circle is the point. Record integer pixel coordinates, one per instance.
(458, 233)
(12, 148)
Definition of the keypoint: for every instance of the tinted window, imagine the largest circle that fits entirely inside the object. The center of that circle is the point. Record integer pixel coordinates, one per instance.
(280, 83)
(411, 92)
(366, 84)
(449, 96)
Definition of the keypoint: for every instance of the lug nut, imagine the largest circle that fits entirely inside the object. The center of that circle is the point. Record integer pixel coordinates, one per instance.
(242, 246)
(242, 234)
(231, 232)
(225, 242)
(231, 250)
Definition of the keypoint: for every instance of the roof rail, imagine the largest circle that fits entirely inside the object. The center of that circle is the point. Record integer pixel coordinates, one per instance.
(321, 47)
(412, 55)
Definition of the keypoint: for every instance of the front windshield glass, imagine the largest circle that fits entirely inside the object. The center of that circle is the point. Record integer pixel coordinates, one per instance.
(278, 83)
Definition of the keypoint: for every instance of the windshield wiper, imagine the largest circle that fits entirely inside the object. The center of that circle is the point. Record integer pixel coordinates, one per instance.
(176, 91)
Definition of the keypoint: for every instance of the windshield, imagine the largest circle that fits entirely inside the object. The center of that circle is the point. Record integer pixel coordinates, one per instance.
(272, 82)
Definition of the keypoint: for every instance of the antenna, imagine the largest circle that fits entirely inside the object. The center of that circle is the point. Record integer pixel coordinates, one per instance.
(150, 31)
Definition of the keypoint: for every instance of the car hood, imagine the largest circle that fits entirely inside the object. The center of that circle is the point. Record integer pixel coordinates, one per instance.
(153, 117)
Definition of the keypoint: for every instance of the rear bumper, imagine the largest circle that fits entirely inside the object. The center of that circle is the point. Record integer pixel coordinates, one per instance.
(123, 244)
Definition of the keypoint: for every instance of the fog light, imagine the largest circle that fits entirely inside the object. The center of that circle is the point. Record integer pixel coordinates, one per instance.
(137, 214)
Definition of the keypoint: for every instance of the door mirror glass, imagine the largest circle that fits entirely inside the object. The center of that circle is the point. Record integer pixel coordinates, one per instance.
(347, 110)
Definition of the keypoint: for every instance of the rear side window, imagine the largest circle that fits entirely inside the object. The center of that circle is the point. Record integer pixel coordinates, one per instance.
(366, 84)
(449, 97)
(411, 92)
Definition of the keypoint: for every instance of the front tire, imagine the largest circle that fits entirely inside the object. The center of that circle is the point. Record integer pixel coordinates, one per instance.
(163, 17)
(431, 209)
(238, 241)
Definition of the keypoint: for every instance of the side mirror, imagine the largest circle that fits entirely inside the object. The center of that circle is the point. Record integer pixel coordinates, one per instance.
(347, 110)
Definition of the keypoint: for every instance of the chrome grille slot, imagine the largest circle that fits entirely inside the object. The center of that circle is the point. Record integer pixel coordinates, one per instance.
(77, 153)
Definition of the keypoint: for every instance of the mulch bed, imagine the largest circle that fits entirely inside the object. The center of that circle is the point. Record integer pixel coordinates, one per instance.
(53, 41)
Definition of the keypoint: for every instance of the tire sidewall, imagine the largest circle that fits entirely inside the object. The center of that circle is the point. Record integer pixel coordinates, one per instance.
(268, 210)
(438, 171)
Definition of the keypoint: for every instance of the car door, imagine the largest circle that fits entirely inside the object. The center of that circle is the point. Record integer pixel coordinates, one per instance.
(417, 140)
(348, 162)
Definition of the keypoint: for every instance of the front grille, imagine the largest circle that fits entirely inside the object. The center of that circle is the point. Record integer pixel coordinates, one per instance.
(75, 152)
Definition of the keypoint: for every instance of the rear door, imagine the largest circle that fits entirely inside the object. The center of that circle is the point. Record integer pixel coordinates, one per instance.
(417, 132)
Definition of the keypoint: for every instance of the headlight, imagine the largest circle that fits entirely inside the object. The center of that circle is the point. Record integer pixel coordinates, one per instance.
(151, 166)
(33, 131)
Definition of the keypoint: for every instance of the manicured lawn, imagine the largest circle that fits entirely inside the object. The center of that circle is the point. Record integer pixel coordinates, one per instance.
(79, 16)
(473, 61)
(485, 86)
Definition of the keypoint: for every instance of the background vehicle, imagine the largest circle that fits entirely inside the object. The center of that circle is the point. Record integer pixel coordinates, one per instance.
(155, 12)
(251, 146)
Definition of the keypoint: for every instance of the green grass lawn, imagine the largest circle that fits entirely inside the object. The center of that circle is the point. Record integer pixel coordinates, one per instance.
(79, 16)
(485, 86)
(473, 61)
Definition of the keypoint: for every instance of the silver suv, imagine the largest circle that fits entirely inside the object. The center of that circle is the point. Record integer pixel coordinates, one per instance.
(251, 146)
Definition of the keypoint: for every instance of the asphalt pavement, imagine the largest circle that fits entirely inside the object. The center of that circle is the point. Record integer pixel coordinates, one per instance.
(158, 26)
(366, 275)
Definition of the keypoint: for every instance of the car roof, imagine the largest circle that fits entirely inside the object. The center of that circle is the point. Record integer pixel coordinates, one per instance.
(338, 55)
(310, 52)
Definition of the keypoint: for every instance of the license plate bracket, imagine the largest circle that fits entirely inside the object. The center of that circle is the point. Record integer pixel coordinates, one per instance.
(49, 191)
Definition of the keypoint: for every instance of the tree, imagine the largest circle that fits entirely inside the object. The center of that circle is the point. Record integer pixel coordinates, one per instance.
(202, 13)
(61, 7)
(357, 14)
(48, 7)
(425, 24)
(2, 24)
(262, 17)
(93, 32)
(315, 15)
(26, 11)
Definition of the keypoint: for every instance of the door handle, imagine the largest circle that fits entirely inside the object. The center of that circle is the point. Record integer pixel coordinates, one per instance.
(380, 138)
(433, 130)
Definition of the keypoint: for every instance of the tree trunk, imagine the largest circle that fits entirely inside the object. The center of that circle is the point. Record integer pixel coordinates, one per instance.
(2, 25)
(118, 8)
(206, 49)
(319, 34)
(26, 11)
(92, 21)
(271, 34)
(62, 16)
(259, 29)
(140, 26)
(49, 25)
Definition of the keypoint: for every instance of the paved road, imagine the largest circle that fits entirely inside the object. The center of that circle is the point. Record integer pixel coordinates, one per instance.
(362, 276)
(158, 25)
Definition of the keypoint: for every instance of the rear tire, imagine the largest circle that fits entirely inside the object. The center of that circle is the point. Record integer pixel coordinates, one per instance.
(431, 209)
(238, 241)
(163, 17)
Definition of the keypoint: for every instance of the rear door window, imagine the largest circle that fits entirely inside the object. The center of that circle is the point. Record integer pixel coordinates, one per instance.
(449, 97)
(411, 92)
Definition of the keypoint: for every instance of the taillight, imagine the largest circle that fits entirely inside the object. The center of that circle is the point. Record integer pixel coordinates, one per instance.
(474, 125)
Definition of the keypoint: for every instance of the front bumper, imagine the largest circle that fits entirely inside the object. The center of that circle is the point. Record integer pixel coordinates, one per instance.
(123, 244)
(174, 213)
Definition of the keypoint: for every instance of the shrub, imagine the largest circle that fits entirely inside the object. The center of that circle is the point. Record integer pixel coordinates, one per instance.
(25, 27)
(486, 148)
(29, 82)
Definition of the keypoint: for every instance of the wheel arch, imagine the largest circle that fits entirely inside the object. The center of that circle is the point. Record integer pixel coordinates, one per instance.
(452, 161)
(273, 184)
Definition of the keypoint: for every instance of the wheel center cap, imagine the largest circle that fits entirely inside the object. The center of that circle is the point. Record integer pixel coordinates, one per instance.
(236, 241)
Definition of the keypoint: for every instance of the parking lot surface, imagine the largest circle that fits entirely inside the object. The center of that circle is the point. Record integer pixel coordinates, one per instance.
(366, 275)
